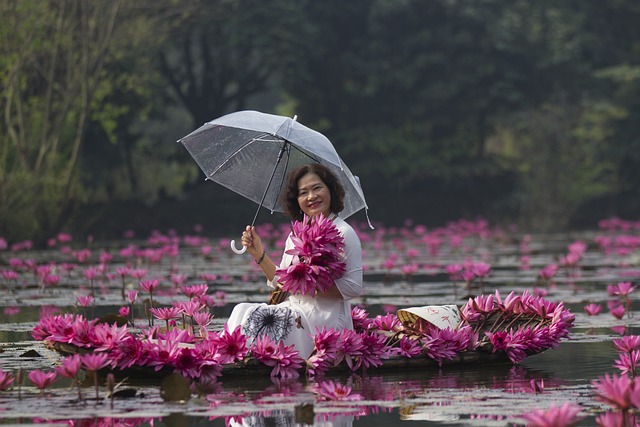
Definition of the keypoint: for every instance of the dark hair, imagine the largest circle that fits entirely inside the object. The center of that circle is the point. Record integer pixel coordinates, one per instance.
(289, 196)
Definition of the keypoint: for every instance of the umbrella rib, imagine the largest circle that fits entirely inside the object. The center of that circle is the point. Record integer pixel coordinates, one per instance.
(266, 190)
(229, 157)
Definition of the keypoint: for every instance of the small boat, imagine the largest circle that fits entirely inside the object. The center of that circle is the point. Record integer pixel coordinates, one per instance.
(488, 329)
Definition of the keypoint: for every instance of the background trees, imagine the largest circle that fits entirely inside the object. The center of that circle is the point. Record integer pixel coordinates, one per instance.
(518, 111)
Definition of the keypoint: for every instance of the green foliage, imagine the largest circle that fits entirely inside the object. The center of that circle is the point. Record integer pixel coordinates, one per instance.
(558, 151)
(456, 92)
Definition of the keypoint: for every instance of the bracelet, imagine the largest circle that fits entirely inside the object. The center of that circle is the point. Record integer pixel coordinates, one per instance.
(264, 253)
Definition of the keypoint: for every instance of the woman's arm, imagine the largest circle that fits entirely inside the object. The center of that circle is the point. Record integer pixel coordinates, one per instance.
(252, 241)
(350, 285)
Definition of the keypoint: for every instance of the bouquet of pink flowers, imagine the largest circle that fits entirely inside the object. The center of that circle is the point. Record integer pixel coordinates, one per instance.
(317, 246)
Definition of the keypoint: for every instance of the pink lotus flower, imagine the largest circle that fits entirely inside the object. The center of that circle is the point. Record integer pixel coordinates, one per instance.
(128, 352)
(10, 275)
(628, 343)
(190, 307)
(91, 273)
(124, 311)
(453, 270)
(85, 300)
(70, 366)
(622, 289)
(360, 318)
(42, 379)
(565, 415)
(618, 311)
(232, 345)
(286, 362)
(374, 350)
(330, 390)
(408, 347)
(628, 363)
(149, 285)
(6, 380)
(410, 269)
(194, 291)
(481, 269)
(388, 322)
(593, 309)
(166, 314)
(178, 279)
(349, 348)
(105, 337)
(202, 318)
(317, 257)
(299, 278)
(83, 255)
(132, 296)
(95, 361)
(263, 348)
(616, 419)
(138, 273)
(621, 392)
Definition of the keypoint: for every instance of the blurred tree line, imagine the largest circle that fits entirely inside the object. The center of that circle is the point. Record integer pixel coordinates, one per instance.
(518, 111)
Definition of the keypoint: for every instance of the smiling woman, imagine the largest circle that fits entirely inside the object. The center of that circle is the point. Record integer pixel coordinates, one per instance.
(314, 194)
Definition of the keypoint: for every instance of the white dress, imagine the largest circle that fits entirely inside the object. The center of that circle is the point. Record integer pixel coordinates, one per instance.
(294, 321)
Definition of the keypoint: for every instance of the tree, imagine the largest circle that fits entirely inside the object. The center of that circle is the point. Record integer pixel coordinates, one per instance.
(229, 52)
(558, 150)
(55, 58)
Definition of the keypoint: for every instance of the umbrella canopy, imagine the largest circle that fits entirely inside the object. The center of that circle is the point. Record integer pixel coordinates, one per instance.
(251, 153)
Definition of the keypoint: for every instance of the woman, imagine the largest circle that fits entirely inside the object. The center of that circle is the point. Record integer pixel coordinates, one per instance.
(310, 190)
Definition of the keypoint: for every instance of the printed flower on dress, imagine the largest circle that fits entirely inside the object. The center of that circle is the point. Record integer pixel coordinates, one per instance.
(317, 262)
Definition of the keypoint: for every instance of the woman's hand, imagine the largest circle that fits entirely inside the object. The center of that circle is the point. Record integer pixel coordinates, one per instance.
(252, 242)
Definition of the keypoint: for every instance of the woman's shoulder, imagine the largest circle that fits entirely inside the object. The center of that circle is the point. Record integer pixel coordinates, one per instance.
(344, 227)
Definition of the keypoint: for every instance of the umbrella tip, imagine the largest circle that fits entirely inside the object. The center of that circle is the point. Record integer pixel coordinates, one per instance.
(295, 117)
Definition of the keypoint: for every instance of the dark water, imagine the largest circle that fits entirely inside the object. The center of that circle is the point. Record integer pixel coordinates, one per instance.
(484, 395)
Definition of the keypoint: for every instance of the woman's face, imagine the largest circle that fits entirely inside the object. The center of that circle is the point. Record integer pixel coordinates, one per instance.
(314, 196)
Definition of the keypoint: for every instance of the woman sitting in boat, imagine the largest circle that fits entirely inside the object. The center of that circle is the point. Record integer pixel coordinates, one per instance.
(310, 190)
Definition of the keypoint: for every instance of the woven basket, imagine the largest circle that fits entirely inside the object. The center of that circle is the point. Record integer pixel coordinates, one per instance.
(277, 296)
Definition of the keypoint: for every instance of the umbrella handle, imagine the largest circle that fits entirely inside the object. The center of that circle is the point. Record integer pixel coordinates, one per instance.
(236, 250)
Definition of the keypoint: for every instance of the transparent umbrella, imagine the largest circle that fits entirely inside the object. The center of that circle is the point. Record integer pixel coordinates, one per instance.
(251, 153)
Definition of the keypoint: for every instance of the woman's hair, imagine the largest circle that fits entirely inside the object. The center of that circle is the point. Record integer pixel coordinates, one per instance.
(289, 196)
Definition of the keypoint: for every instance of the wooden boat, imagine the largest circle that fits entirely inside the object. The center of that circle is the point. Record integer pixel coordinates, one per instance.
(490, 330)
(253, 367)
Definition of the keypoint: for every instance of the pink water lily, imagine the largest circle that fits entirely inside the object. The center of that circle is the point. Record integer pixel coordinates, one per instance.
(286, 362)
(618, 311)
(70, 366)
(628, 343)
(166, 313)
(194, 291)
(565, 415)
(628, 363)
(317, 262)
(42, 379)
(95, 361)
(232, 345)
(621, 392)
(6, 380)
(331, 390)
(593, 309)
(622, 289)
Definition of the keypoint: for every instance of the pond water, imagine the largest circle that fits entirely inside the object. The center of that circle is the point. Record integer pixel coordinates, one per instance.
(404, 266)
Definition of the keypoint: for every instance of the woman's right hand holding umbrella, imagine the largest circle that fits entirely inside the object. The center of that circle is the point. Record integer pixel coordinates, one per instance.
(253, 243)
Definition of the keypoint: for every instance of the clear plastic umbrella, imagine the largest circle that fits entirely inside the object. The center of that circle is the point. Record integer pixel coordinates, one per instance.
(251, 153)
